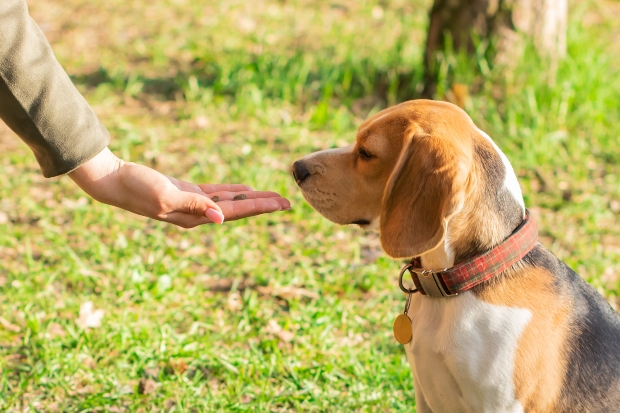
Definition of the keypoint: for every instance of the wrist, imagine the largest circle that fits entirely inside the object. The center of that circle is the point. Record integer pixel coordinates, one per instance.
(97, 176)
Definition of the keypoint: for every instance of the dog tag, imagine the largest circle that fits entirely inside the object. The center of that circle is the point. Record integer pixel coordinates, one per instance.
(402, 325)
(402, 329)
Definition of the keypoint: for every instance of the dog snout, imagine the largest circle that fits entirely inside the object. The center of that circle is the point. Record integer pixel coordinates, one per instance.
(300, 172)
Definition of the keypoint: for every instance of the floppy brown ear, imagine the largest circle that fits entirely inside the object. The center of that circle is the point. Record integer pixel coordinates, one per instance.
(425, 189)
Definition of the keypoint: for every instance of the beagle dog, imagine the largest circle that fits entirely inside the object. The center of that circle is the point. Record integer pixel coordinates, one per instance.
(533, 338)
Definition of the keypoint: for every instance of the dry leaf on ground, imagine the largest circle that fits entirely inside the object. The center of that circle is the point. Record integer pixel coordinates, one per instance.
(55, 330)
(235, 302)
(274, 328)
(8, 325)
(294, 292)
(89, 316)
(147, 386)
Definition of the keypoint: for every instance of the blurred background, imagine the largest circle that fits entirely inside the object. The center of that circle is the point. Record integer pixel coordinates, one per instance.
(101, 310)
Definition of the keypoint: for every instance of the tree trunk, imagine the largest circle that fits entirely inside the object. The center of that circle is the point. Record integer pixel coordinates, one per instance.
(507, 22)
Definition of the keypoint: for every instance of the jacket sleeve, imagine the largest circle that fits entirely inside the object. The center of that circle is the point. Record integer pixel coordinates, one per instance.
(37, 99)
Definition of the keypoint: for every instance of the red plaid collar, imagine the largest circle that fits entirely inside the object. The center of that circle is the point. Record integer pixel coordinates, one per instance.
(468, 274)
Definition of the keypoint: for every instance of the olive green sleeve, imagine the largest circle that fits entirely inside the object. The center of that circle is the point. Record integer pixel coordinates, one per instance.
(37, 99)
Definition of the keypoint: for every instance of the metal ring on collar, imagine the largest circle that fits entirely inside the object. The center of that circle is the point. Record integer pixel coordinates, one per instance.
(400, 280)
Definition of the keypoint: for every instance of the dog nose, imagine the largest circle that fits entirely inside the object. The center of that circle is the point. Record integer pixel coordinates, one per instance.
(300, 171)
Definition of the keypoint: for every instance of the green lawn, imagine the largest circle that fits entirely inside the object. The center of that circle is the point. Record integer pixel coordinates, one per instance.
(286, 312)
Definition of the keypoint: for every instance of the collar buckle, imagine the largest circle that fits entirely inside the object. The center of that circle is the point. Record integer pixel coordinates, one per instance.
(431, 282)
(426, 282)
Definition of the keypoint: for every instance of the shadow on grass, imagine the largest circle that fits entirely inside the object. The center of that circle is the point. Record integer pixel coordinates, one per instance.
(298, 79)
(165, 88)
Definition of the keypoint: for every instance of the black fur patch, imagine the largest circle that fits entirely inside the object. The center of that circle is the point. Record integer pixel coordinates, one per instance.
(495, 191)
(593, 377)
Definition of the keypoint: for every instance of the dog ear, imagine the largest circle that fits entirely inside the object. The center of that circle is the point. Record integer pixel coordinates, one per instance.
(426, 188)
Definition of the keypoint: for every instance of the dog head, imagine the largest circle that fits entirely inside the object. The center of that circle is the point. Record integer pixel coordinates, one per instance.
(414, 170)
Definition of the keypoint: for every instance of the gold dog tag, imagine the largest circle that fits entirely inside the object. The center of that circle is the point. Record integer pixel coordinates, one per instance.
(402, 325)
(402, 329)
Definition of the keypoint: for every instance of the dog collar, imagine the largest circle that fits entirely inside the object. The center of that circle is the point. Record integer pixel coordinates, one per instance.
(466, 275)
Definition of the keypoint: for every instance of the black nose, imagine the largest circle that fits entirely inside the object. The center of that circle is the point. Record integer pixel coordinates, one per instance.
(300, 171)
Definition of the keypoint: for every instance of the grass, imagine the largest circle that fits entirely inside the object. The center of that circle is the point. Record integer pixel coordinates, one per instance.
(286, 312)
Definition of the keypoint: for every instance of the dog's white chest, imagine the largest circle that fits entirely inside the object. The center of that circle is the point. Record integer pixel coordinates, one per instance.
(462, 354)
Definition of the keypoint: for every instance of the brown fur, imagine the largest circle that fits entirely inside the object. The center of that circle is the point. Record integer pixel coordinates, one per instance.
(427, 187)
(422, 172)
(423, 153)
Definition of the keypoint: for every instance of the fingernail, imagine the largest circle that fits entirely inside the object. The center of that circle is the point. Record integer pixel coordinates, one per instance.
(215, 216)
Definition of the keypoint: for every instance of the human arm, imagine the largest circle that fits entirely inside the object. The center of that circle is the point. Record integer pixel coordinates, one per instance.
(146, 192)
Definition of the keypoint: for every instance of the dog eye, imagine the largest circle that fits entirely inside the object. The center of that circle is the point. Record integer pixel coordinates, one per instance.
(365, 155)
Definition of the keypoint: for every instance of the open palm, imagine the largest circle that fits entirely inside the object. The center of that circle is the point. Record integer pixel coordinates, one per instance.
(144, 191)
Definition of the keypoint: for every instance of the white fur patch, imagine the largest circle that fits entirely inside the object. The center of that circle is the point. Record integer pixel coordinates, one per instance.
(462, 354)
(510, 179)
(439, 258)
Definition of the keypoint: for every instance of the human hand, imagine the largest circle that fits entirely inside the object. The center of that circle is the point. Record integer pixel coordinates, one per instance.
(146, 192)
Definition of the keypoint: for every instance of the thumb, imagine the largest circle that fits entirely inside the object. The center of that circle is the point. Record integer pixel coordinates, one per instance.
(200, 205)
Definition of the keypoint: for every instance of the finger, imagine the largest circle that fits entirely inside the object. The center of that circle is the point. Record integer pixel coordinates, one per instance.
(215, 216)
(233, 210)
(185, 220)
(209, 188)
(190, 203)
(229, 196)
